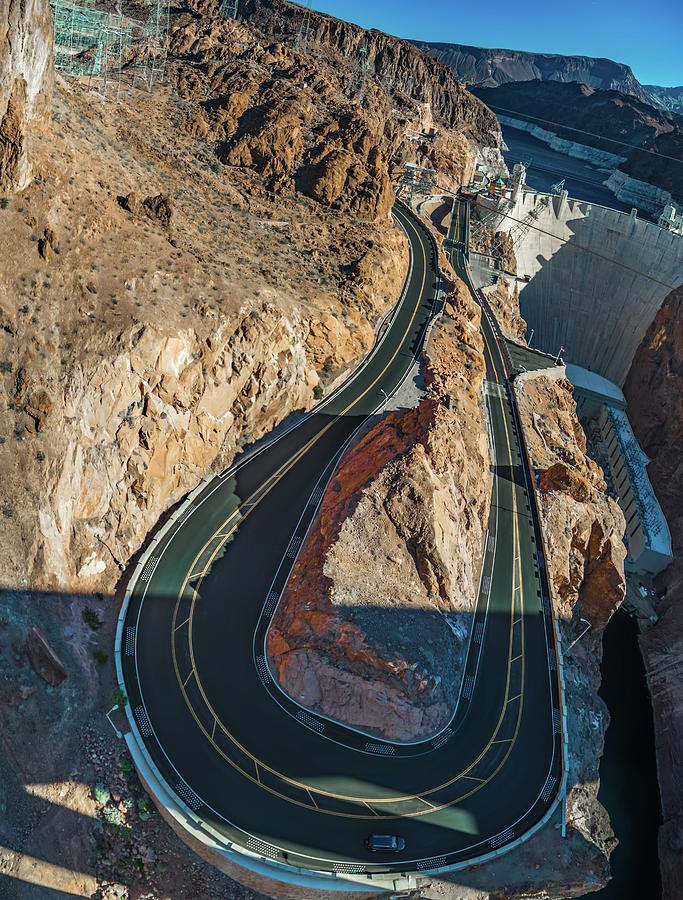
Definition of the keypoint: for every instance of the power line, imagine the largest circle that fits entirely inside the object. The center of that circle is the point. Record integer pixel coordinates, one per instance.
(562, 240)
(583, 131)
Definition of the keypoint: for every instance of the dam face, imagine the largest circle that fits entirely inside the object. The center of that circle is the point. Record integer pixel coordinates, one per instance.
(589, 289)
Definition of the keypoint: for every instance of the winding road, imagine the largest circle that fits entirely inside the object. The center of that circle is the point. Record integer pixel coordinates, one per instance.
(258, 771)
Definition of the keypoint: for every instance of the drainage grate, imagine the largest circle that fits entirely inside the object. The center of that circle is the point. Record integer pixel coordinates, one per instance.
(552, 660)
(486, 584)
(316, 496)
(143, 721)
(348, 868)
(434, 863)
(188, 795)
(149, 568)
(468, 687)
(130, 640)
(556, 721)
(271, 603)
(381, 749)
(262, 848)
(490, 544)
(548, 788)
(311, 721)
(478, 632)
(185, 515)
(502, 838)
(263, 670)
(294, 545)
(442, 738)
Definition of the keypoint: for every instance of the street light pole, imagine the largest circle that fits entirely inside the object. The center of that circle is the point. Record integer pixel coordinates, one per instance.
(108, 715)
(588, 625)
(559, 353)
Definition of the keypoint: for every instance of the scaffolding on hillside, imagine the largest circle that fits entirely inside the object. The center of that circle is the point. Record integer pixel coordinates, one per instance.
(229, 9)
(103, 44)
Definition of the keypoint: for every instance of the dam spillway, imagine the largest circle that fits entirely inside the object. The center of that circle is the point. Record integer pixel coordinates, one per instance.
(597, 276)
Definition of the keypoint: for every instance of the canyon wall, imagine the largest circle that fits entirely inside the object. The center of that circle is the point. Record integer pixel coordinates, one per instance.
(193, 265)
(654, 390)
(26, 76)
(630, 139)
(407, 508)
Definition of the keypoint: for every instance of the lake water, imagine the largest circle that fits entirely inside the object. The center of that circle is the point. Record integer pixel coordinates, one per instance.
(547, 167)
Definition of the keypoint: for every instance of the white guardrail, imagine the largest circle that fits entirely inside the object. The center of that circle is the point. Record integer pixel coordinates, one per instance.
(186, 819)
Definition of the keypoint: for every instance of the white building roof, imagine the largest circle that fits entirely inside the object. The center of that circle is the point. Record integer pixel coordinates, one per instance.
(584, 379)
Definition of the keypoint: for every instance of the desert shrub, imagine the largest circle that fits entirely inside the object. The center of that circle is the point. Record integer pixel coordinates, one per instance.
(91, 619)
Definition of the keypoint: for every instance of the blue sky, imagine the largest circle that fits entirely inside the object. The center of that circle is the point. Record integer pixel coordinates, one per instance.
(644, 35)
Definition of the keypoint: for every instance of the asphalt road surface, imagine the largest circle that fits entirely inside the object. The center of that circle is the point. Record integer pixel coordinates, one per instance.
(279, 780)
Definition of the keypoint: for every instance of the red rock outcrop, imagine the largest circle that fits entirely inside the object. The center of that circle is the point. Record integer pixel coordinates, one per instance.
(26, 75)
(362, 631)
(654, 390)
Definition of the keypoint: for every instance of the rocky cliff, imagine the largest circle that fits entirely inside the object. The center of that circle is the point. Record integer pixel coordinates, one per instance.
(407, 507)
(189, 266)
(382, 58)
(668, 97)
(654, 390)
(583, 529)
(148, 336)
(26, 76)
(326, 121)
(489, 68)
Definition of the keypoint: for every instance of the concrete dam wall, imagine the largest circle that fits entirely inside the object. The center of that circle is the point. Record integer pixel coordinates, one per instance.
(586, 292)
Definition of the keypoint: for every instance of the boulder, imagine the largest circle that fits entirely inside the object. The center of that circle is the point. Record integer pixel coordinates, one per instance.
(43, 658)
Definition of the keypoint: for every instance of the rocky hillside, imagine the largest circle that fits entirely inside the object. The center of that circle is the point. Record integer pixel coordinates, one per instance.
(189, 266)
(654, 389)
(381, 60)
(489, 68)
(26, 76)
(667, 97)
(408, 508)
(607, 120)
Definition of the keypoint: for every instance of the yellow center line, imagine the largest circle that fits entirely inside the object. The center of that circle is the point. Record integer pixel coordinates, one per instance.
(279, 474)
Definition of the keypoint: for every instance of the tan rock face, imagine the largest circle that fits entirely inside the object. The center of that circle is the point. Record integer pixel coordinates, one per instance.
(291, 122)
(372, 626)
(504, 301)
(654, 390)
(136, 358)
(26, 76)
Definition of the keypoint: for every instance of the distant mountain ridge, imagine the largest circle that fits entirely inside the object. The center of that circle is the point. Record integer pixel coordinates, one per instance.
(482, 67)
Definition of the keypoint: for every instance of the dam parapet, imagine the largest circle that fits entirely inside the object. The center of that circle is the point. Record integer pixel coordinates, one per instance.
(591, 278)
